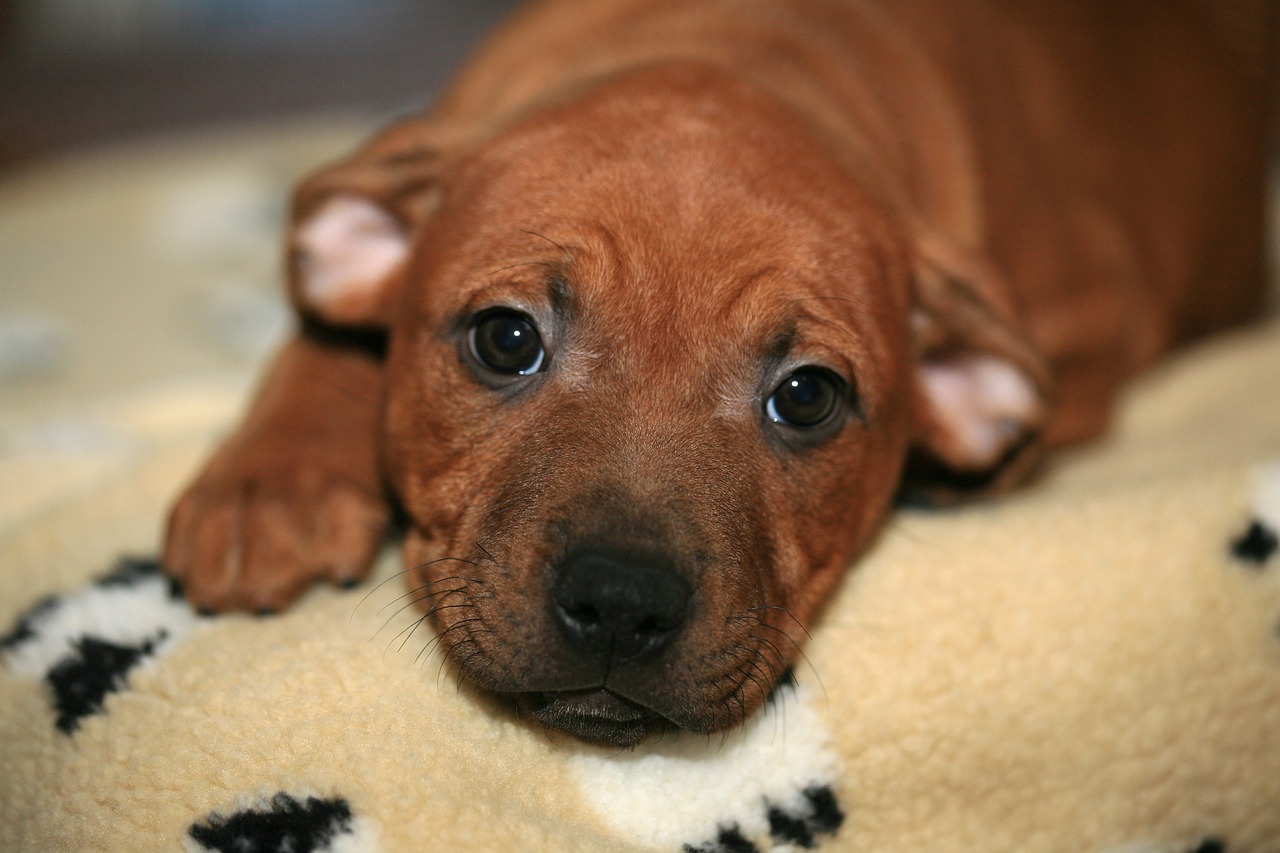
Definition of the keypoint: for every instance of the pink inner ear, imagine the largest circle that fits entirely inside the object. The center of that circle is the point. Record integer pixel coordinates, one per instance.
(348, 249)
(982, 404)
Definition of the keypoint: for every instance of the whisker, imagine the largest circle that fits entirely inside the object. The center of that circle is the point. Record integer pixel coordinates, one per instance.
(409, 631)
(453, 650)
(466, 578)
(404, 572)
(388, 580)
(436, 608)
(563, 251)
(426, 649)
(462, 668)
(817, 676)
(799, 650)
(458, 626)
(739, 693)
(746, 673)
(764, 640)
(445, 560)
(435, 641)
(439, 595)
(728, 720)
(421, 597)
(785, 612)
(389, 620)
(419, 591)
(762, 656)
(426, 617)
(553, 268)
(416, 590)
(820, 298)
(439, 637)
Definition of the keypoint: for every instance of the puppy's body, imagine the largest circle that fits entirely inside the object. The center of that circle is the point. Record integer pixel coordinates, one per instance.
(1103, 160)
(950, 229)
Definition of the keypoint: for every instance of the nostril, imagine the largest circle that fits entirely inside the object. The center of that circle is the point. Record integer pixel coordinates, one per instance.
(583, 615)
(652, 627)
(619, 606)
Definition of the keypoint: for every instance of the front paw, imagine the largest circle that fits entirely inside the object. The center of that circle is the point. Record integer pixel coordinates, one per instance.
(255, 536)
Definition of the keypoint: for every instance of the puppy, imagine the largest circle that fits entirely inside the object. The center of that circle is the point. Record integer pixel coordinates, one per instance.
(645, 325)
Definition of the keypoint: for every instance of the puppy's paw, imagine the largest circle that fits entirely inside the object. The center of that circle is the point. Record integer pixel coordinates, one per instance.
(256, 529)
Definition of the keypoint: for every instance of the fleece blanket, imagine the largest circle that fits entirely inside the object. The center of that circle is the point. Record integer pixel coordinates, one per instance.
(1090, 665)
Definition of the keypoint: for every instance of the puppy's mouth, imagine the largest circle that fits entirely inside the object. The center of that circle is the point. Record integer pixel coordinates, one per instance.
(598, 716)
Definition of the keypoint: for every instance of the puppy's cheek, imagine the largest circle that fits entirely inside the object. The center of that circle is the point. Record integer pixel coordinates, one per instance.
(434, 485)
(818, 571)
(819, 530)
(396, 439)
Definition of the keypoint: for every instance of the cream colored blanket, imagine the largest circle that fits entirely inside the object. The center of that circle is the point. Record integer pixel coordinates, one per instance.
(1090, 665)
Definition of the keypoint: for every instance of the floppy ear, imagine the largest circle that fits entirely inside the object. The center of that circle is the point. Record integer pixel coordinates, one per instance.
(352, 224)
(982, 386)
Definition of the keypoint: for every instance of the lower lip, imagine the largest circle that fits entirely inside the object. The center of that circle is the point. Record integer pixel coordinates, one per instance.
(602, 705)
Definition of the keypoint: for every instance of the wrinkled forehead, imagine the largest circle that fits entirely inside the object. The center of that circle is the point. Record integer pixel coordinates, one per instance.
(708, 165)
(642, 225)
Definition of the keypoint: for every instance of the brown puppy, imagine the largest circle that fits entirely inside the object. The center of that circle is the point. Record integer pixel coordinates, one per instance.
(649, 320)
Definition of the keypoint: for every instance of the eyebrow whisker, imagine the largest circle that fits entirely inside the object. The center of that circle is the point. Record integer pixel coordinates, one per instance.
(550, 266)
(565, 253)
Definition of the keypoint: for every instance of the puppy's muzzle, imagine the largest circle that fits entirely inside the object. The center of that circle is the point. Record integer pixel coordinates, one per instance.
(616, 607)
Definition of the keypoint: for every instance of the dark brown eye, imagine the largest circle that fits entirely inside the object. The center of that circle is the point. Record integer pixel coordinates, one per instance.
(807, 398)
(506, 341)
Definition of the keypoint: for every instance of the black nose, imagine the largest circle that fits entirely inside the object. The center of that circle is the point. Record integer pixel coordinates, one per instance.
(617, 606)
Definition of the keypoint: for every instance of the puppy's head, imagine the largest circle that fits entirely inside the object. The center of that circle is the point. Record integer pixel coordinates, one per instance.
(657, 361)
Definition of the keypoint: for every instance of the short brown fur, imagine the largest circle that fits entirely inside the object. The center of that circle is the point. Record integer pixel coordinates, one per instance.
(690, 199)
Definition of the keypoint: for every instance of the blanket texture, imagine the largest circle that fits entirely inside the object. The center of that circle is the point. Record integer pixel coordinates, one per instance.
(1091, 664)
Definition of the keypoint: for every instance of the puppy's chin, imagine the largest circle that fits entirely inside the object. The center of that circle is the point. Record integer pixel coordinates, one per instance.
(596, 716)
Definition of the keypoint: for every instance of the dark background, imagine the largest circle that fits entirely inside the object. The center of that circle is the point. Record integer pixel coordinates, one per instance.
(76, 73)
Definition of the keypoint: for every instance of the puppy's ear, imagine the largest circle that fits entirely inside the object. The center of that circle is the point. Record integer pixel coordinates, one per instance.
(983, 390)
(352, 225)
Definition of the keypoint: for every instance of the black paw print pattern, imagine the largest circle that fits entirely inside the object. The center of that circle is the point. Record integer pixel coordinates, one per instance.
(284, 823)
(84, 645)
(805, 826)
(1258, 542)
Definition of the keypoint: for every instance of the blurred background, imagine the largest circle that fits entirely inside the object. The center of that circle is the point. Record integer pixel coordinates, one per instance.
(84, 72)
(147, 150)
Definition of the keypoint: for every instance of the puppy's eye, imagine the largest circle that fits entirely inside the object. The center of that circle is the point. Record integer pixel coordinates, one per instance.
(506, 341)
(807, 398)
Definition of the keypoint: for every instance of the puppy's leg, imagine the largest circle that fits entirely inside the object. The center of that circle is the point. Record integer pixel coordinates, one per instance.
(294, 495)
